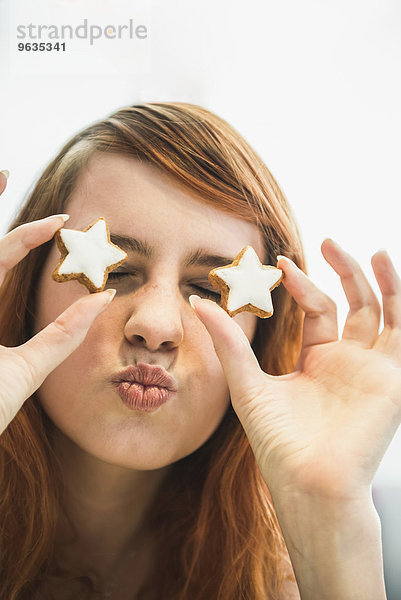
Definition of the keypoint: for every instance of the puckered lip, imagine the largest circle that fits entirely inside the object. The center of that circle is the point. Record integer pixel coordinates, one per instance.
(146, 375)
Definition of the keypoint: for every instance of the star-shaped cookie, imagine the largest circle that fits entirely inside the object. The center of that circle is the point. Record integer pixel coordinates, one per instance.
(87, 256)
(246, 284)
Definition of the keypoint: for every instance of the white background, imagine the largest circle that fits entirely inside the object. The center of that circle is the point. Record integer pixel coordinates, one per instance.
(314, 86)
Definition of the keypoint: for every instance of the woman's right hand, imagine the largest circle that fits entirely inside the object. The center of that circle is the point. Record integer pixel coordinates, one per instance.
(23, 368)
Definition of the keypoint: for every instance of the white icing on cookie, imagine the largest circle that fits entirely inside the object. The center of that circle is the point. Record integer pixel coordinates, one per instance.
(250, 282)
(89, 252)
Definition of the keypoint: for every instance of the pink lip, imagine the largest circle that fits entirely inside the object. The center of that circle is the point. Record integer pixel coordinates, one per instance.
(144, 387)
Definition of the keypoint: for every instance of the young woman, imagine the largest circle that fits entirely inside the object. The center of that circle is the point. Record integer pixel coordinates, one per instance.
(260, 463)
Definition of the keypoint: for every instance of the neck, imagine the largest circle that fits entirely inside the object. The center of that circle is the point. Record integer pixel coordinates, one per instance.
(104, 507)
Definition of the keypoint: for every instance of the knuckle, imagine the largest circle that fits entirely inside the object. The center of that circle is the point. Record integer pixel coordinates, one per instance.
(356, 305)
(317, 303)
(60, 325)
(330, 305)
(325, 305)
(230, 344)
(376, 308)
(25, 370)
(11, 243)
(371, 306)
(22, 234)
(349, 275)
(393, 321)
(351, 268)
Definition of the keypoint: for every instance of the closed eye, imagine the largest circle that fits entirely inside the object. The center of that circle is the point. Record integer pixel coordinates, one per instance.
(201, 291)
(119, 274)
(206, 293)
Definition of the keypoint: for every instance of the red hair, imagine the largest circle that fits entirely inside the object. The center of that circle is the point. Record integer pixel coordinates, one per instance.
(217, 533)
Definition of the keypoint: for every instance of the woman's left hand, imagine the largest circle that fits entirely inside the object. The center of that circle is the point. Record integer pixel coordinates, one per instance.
(323, 429)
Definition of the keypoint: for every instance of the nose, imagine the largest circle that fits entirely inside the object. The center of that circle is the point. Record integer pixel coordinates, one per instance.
(155, 320)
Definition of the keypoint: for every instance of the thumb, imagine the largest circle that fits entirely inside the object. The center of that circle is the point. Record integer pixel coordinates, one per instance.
(48, 348)
(233, 349)
(24, 368)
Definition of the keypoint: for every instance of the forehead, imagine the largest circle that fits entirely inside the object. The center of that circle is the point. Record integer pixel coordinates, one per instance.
(139, 200)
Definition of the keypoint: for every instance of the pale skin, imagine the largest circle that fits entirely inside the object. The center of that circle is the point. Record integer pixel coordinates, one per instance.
(318, 434)
(115, 459)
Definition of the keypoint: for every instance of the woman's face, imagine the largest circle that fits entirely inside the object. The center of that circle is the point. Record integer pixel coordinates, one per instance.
(150, 319)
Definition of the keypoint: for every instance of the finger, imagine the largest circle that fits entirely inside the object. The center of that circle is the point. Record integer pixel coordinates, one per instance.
(17, 243)
(320, 323)
(3, 180)
(390, 287)
(48, 348)
(240, 365)
(363, 318)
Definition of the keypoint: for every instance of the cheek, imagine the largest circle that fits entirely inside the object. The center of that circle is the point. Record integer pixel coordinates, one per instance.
(209, 385)
(200, 350)
(77, 392)
(209, 378)
(52, 297)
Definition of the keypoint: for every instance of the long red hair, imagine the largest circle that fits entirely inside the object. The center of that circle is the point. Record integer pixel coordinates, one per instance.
(217, 533)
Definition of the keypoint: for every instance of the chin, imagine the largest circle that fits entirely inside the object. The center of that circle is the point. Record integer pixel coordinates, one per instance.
(134, 460)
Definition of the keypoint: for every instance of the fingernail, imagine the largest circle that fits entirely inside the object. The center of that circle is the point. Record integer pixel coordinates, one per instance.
(284, 257)
(192, 298)
(65, 217)
(6, 173)
(112, 293)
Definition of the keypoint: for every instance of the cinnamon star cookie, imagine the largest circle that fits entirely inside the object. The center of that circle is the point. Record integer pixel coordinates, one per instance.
(246, 284)
(88, 256)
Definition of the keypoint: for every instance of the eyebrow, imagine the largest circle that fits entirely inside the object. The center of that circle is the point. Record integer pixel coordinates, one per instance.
(199, 257)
